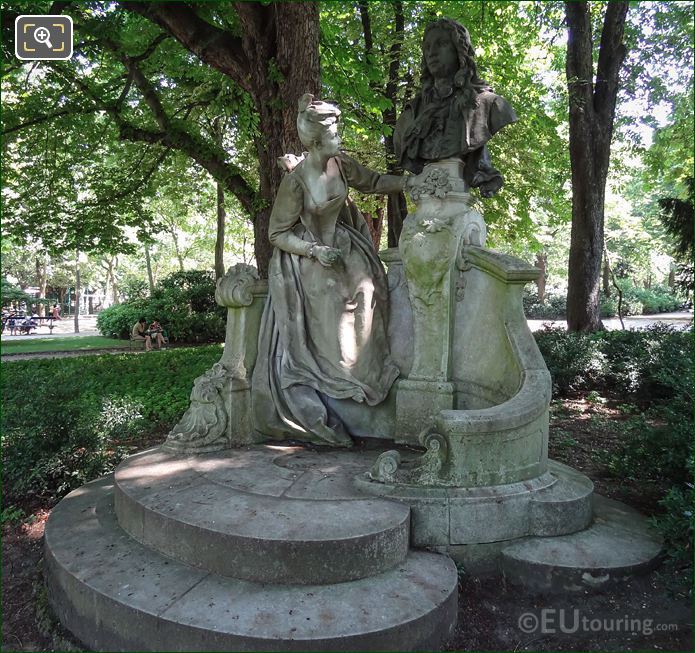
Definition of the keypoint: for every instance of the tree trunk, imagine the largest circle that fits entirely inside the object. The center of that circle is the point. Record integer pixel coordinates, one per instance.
(396, 206)
(113, 264)
(274, 56)
(542, 264)
(219, 238)
(175, 237)
(282, 41)
(606, 277)
(78, 291)
(148, 263)
(375, 226)
(41, 277)
(591, 116)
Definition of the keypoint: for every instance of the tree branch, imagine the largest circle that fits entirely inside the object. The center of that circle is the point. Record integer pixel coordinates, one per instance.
(579, 65)
(611, 55)
(214, 46)
(45, 117)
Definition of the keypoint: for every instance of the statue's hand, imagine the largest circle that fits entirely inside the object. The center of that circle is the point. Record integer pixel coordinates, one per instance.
(327, 256)
(489, 188)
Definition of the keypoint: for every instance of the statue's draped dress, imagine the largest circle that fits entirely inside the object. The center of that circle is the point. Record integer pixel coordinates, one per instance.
(323, 332)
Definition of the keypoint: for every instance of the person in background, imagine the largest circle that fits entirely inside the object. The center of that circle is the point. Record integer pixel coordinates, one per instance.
(155, 332)
(12, 323)
(139, 332)
(55, 312)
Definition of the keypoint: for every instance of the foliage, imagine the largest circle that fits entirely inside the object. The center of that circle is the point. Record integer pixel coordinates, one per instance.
(636, 301)
(184, 303)
(676, 524)
(554, 307)
(10, 293)
(653, 369)
(641, 301)
(86, 414)
(655, 364)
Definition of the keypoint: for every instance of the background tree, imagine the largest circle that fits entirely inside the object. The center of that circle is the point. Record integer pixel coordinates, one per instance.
(592, 101)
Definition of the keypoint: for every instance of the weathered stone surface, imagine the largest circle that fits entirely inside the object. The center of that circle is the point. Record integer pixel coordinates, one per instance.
(219, 415)
(565, 507)
(554, 503)
(253, 536)
(117, 595)
(617, 545)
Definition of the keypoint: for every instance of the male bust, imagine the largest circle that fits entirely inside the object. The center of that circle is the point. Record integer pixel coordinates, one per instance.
(455, 113)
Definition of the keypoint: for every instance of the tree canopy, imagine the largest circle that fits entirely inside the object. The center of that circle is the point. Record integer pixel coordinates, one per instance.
(123, 146)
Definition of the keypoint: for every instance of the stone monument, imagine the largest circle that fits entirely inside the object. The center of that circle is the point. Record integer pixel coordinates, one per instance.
(235, 536)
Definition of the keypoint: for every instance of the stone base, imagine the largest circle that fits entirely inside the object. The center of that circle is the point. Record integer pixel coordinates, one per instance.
(277, 548)
(556, 503)
(618, 545)
(264, 549)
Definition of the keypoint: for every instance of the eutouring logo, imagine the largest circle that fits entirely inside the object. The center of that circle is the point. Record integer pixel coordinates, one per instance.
(551, 621)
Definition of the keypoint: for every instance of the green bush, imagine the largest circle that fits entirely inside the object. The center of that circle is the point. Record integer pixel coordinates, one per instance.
(654, 364)
(641, 301)
(184, 303)
(86, 413)
(575, 360)
(654, 369)
(117, 321)
(676, 525)
(554, 307)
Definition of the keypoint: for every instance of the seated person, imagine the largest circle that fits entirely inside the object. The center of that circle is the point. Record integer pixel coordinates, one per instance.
(27, 325)
(11, 323)
(155, 331)
(139, 332)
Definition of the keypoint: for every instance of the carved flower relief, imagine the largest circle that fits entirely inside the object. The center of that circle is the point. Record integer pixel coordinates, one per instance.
(435, 184)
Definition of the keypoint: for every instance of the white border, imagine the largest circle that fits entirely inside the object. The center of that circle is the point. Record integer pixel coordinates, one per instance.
(72, 37)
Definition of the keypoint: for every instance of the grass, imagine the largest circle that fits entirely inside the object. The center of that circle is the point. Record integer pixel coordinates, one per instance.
(72, 343)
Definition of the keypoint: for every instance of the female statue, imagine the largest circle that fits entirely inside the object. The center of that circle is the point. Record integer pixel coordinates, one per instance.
(455, 113)
(323, 333)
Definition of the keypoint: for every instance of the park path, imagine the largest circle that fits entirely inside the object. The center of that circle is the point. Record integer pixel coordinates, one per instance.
(680, 320)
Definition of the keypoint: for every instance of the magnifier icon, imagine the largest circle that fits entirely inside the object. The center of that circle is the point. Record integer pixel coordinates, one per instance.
(42, 35)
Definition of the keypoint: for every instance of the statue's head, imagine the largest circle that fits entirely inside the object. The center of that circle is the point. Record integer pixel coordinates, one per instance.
(447, 53)
(317, 124)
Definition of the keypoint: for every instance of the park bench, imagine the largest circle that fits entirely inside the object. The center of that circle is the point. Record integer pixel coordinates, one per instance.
(47, 321)
(134, 342)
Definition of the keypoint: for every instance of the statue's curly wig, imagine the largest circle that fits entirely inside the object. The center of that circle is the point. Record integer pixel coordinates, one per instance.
(466, 79)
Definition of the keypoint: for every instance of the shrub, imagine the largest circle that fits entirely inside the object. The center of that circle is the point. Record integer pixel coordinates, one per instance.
(575, 360)
(117, 321)
(554, 307)
(654, 364)
(653, 368)
(184, 303)
(641, 301)
(676, 525)
(86, 414)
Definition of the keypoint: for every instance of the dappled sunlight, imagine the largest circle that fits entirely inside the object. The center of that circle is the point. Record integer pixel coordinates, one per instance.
(285, 448)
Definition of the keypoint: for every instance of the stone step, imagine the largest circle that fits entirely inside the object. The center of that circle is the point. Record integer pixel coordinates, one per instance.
(618, 544)
(115, 594)
(564, 507)
(164, 501)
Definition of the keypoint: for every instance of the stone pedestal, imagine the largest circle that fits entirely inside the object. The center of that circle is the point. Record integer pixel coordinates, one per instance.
(418, 403)
(430, 249)
(219, 415)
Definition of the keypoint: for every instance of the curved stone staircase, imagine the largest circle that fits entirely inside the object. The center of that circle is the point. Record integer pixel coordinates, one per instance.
(249, 550)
